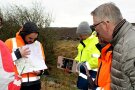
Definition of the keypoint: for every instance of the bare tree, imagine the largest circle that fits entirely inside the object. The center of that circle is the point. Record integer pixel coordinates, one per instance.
(20, 14)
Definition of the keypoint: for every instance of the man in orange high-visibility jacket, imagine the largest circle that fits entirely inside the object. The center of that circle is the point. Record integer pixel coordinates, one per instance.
(27, 35)
(104, 68)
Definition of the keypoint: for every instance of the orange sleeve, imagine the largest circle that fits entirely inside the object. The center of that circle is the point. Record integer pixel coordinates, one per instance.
(8, 43)
(42, 51)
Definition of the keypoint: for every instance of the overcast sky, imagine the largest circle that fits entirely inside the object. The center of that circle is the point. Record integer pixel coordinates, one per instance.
(69, 13)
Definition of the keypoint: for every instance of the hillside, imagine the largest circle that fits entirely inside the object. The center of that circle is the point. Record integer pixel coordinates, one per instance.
(64, 33)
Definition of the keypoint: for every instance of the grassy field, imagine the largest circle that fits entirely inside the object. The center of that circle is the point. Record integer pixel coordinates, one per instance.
(59, 79)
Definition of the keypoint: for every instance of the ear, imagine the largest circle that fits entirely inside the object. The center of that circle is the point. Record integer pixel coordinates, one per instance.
(107, 25)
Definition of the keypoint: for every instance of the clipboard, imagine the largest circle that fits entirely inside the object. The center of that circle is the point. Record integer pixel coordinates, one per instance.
(64, 62)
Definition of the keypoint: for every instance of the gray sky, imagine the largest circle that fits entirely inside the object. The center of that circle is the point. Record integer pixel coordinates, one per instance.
(69, 13)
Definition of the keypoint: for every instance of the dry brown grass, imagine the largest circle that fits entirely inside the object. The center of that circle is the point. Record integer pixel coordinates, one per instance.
(59, 79)
(66, 48)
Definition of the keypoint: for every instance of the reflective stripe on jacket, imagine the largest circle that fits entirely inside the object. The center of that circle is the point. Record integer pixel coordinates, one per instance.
(89, 53)
(19, 41)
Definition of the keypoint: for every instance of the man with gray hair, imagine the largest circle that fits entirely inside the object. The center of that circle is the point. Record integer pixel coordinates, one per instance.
(112, 28)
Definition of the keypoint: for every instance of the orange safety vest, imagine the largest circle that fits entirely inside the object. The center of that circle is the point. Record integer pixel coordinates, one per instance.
(104, 68)
(27, 76)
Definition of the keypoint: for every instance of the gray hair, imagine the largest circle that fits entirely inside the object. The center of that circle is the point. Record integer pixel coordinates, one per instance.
(108, 11)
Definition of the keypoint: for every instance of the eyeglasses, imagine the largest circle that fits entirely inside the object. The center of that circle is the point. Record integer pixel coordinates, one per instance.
(95, 25)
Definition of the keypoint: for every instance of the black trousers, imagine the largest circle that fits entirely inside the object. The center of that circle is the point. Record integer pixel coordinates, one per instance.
(35, 85)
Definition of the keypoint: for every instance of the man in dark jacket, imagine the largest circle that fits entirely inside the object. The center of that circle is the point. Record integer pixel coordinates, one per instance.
(112, 28)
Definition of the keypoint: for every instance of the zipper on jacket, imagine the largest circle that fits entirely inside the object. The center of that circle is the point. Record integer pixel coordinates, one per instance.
(82, 49)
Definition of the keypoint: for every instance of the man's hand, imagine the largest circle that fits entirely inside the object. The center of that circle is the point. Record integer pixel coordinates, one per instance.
(25, 51)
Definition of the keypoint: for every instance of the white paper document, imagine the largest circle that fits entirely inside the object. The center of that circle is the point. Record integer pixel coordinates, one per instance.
(34, 62)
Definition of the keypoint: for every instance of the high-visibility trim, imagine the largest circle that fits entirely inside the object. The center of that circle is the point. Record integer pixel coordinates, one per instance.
(13, 56)
(99, 88)
(17, 82)
(95, 55)
(95, 69)
(83, 75)
(93, 79)
(31, 79)
(14, 43)
(88, 66)
(15, 47)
